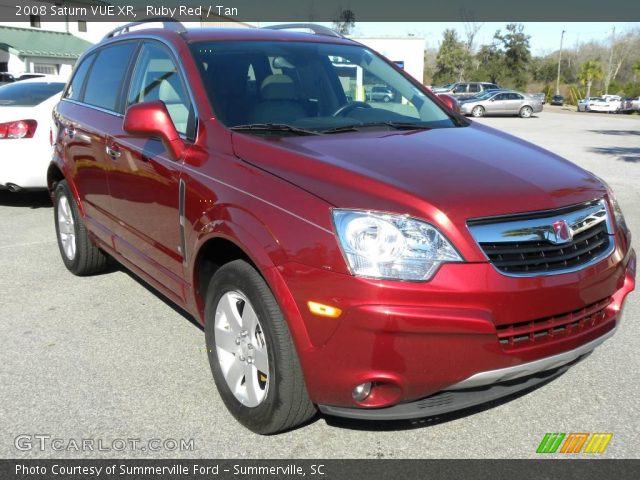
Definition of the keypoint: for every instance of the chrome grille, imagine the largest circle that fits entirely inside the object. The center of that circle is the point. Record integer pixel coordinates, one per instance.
(543, 243)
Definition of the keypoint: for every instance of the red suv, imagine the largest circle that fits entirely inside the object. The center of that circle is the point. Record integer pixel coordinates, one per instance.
(371, 260)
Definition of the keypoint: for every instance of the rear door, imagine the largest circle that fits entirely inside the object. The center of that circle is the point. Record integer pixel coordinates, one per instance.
(513, 103)
(87, 113)
(144, 180)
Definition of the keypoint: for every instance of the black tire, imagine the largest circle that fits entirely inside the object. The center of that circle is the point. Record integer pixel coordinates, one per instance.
(286, 404)
(88, 259)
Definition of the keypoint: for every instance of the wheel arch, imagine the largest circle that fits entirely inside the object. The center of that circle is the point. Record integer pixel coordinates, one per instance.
(231, 242)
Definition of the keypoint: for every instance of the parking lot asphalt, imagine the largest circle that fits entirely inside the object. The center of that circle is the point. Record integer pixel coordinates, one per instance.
(105, 358)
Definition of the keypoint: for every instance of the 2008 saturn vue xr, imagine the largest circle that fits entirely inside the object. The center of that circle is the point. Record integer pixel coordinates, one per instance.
(376, 260)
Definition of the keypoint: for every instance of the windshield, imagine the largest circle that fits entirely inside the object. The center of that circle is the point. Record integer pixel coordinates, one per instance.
(313, 86)
(20, 94)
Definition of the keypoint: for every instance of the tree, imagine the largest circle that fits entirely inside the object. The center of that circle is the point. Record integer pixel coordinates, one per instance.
(345, 22)
(589, 71)
(490, 64)
(517, 53)
(453, 59)
(619, 49)
(636, 71)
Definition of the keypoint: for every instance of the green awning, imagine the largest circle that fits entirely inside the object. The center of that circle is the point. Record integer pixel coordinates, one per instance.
(31, 42)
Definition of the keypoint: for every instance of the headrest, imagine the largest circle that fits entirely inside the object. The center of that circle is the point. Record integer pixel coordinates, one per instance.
(278, 87)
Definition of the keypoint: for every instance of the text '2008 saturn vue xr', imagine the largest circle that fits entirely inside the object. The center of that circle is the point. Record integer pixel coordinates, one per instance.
(375, 260)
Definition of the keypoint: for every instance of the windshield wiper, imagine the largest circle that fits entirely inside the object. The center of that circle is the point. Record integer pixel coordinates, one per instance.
(273, 127)
(396, 125)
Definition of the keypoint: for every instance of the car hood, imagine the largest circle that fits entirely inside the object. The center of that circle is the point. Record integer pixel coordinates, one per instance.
(448, 173)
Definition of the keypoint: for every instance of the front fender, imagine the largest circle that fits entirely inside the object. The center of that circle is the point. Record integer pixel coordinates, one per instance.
(246, 232)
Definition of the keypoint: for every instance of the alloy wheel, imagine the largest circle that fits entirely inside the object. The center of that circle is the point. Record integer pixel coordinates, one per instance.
(241, 349)
(66, 227)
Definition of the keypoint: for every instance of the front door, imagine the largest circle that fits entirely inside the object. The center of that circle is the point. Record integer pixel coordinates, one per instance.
(145, 180)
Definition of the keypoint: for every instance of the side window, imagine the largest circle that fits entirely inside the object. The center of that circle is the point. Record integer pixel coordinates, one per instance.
(502, 96)
(106, 76)
(156, 78)
(74, 90)
(462, 88)
(474, 88)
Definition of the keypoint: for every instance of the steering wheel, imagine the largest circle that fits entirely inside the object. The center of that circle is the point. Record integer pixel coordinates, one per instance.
(348, 107)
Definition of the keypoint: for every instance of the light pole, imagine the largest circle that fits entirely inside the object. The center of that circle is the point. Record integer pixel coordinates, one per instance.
(559, 61)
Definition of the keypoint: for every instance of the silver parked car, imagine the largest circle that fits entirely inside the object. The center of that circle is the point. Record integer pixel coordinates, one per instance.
(502, 103)
(583, 104)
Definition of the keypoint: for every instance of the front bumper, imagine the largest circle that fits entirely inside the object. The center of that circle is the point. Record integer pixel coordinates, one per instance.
(478, 389)
(414, 340)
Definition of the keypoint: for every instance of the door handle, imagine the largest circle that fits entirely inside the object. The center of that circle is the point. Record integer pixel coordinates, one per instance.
(69, 131)
(113, 153)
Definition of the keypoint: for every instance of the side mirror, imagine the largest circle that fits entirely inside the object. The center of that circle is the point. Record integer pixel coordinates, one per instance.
(449, 102)
(152, 119)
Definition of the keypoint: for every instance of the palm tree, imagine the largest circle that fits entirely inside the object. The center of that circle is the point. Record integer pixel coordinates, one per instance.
(590, 71)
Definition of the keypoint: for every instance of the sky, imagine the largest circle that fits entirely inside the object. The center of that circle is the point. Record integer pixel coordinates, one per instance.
(545, 36)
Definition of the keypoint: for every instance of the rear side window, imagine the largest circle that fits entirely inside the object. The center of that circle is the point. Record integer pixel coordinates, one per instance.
(75, 87)
(28, 94)
(106, 76)
(156, 77)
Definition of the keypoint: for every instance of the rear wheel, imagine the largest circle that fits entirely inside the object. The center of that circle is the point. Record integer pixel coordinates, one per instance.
(477, 111)
(251, 353)
(79, 254)
(386, 99)
(526, 111)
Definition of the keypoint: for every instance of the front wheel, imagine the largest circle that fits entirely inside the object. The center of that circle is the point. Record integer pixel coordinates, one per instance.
(251, 353)
(477, 111)
(79, 254)
(525, 112)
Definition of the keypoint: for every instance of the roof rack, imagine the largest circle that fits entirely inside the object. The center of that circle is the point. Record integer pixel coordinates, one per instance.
(317, 29)
(167, 22)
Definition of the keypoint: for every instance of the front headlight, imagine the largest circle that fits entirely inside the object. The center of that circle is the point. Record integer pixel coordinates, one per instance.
(617, 213)
(393, 247)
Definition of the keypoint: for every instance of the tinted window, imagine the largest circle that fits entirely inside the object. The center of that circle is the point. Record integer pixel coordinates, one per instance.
(106, 76)
(156, 78)
(75, 87)
(501, 96)
(462, 88)
(21, 94)
(474, 88)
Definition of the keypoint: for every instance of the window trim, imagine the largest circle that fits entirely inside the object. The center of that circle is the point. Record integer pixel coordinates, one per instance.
(90, 57)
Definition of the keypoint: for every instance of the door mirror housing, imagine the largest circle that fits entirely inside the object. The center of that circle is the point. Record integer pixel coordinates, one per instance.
(449, 102)
(151, 119)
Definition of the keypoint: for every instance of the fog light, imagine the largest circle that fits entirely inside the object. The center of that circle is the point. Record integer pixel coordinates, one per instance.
(361, 392)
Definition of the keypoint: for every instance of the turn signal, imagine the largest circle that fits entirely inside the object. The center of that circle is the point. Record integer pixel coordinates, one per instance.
(324, 310)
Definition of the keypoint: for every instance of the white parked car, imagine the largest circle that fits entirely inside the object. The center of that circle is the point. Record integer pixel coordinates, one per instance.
(606, 103)
(26, 131)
